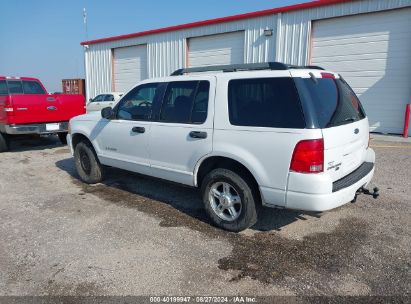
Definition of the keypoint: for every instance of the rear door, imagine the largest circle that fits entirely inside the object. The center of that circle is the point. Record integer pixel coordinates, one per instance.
(341, 117)
(183, 131)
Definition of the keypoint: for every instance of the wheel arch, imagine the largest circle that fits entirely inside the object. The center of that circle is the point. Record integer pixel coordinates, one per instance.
(78, 137)
(211, 162)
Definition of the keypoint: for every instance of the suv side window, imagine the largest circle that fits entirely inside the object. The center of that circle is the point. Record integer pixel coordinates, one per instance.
(138, 103)
(265, 102)
(15, 87)
(3, 88)
(185, 102)
(32, 87)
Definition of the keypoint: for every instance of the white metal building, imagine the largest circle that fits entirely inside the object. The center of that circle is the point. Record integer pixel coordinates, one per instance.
(367, 41)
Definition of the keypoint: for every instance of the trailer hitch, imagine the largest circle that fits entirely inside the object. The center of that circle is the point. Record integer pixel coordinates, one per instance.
(374, 193)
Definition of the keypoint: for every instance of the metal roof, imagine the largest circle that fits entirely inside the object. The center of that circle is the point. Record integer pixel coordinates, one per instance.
(283, 9)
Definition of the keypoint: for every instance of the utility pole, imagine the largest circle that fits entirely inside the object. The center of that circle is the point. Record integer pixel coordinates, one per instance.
(85, 22)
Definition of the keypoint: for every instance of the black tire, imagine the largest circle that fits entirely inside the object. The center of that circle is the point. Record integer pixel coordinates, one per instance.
(63, 137)
(4, 142)
(247, 215)
(87, 164)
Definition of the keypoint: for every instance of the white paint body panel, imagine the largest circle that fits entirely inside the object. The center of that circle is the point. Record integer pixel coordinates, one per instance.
(130, 66)
(173, 153)
(166, 151)
(216, 49)
(372, 52)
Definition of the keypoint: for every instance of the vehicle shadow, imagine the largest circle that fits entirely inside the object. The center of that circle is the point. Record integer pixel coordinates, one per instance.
(23, 143)
(182, 198)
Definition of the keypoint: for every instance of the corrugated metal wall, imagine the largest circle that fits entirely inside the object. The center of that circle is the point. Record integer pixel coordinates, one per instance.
(166, 52)
(294, 28)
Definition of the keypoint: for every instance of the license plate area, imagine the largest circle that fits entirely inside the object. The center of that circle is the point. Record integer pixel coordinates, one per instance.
(52, 127)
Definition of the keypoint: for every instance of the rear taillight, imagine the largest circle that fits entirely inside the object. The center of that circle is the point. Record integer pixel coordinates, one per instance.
(308, 156)
(8, 107)
(327, 75)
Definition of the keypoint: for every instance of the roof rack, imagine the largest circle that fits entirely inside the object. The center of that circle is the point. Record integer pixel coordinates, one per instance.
(243, 67)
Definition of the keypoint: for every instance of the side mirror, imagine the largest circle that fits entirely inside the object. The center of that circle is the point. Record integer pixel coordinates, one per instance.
(107, 113)
(90, 100)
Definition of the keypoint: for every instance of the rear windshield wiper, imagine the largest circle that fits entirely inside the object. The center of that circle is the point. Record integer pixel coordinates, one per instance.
(343, 122)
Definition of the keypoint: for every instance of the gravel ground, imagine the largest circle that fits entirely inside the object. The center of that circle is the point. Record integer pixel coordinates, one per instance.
(134, 235)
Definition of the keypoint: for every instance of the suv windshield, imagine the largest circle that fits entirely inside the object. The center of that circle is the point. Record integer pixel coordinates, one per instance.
(334, 102)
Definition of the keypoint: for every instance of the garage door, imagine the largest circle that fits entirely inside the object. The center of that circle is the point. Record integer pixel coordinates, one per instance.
(216, 49)
(373, 53)
(130, 66)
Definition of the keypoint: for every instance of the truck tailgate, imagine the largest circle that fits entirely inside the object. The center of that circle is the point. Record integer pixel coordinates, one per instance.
(45, 108)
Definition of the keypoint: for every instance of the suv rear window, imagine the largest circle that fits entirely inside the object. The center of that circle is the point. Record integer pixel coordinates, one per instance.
(334, 102)
(265, 102)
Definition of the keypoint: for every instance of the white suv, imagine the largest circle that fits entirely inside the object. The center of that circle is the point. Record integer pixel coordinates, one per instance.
(279, 135)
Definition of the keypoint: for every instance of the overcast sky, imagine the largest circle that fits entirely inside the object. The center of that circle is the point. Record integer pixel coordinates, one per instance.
(42, 38)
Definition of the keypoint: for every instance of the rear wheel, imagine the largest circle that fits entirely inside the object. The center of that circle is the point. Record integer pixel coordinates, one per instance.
(4, 142)
(87, 164)
(228, 200)
(63, 137)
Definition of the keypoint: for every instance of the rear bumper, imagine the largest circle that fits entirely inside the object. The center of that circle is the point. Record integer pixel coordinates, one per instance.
(324, 202)
(317, 192)
(37, 128)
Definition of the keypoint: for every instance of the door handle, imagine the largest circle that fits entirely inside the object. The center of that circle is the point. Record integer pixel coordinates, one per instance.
(138, 129)
(198, 134)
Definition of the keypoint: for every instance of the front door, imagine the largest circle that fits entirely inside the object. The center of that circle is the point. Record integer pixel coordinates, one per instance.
(123, 141)
(183, 132)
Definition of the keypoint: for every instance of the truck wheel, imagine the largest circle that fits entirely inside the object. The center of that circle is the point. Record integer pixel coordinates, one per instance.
(228, 200)
(87, 164)
(63, 138)
(4, 142)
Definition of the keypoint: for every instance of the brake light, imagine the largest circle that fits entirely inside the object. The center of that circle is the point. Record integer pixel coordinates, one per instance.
(308, 156)
(8, 107)
(327, 75)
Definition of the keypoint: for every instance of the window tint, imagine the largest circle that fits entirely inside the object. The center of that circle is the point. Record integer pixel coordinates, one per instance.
(98, 98)
(32, 87)
(137, 104)
(185, 102)
(200, 107)
(109, 97)
(3, 88)
(334, 101)
(15, 87)
(264, 102)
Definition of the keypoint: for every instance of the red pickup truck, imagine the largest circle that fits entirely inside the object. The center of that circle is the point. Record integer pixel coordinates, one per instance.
(27, 108)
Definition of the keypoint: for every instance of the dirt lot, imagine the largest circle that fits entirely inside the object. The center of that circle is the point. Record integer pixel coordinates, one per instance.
(135, 235)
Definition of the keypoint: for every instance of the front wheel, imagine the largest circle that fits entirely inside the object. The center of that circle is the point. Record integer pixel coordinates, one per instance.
(228, 200)
(87, 164)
